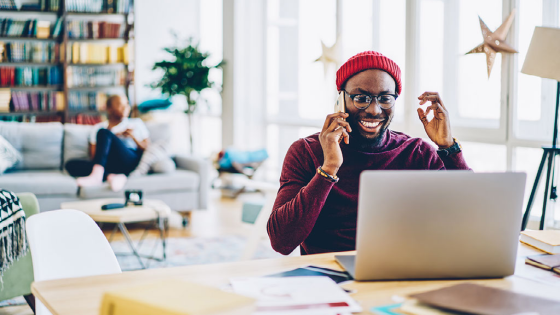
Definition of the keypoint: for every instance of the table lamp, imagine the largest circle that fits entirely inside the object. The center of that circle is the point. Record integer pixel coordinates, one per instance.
(543, 60)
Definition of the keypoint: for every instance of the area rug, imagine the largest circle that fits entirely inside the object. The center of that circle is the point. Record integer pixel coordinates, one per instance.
(13, 302)
(190, 251)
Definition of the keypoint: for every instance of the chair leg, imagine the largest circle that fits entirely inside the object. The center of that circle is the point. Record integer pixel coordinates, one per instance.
(30, 299)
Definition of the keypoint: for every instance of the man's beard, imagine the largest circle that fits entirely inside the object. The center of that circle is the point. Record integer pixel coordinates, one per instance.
(359, 138)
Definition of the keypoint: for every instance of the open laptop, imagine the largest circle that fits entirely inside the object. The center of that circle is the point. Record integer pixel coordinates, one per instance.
(436, 225)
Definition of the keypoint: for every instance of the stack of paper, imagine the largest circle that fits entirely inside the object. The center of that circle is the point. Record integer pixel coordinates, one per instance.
(296, 295)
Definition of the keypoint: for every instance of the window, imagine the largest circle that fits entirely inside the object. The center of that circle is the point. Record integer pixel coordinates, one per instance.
(502, 120)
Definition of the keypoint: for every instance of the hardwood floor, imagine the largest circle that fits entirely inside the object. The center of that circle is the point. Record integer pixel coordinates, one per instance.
(223, 217)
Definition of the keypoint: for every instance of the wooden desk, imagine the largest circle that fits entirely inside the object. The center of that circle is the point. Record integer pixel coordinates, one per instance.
(82, 296)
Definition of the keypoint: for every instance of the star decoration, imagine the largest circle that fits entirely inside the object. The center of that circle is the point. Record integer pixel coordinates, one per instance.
(494, 42)
(330, 55)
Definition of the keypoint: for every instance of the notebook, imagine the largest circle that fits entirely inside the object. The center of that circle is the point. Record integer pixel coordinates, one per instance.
(548, 262)
(174, 297)
(547, 241)
(482, 300)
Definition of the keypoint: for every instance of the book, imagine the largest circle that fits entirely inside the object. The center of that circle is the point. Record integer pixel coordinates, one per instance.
(472, 298)
(5, 97)
(86, 53)
(548, 241)
(414, 307)
(547, 262)
(95, 76)
(174, 297)
(43, 29)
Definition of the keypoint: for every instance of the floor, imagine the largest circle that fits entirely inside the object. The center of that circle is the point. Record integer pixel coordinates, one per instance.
(223, 217)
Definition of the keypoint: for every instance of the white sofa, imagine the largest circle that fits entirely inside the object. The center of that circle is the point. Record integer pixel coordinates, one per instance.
(45, 148)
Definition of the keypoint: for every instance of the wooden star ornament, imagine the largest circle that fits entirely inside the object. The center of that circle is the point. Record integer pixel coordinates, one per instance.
(329, 55)
(494, 42)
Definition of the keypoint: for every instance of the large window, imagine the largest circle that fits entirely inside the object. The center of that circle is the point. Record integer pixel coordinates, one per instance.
(502, 120)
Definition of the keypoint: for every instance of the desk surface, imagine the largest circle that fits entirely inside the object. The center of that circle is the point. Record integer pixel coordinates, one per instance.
(82, 296)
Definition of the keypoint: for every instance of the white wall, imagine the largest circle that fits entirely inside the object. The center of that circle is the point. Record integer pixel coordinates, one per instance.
(154, 21)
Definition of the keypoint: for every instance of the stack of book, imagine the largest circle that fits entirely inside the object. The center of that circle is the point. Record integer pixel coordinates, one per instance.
(5, 97)
(98, 6)
(25, 28)
(30, 76)
(94, 29)
(92, 77)
(40, 52)
(37, 101)
(84, 119)
(38, 5)
(94, 101)
(84, 53)
(10, 4)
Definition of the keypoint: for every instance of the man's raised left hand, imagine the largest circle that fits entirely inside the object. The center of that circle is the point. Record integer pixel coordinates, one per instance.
(437, 129)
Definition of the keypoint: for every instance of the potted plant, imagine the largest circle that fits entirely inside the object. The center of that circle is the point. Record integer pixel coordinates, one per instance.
(186, 73)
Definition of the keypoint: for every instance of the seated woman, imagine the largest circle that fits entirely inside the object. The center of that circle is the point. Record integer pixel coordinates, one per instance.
(115, 147)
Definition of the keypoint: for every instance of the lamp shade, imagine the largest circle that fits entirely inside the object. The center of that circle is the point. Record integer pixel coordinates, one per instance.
(543, 56)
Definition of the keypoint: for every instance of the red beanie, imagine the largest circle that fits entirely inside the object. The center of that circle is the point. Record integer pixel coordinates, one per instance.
(368, 60)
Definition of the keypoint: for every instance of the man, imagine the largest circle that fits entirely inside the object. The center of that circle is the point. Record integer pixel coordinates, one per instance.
(115, 147)
(316, 206)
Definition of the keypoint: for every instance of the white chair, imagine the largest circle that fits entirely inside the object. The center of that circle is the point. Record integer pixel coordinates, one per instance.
(67, 244)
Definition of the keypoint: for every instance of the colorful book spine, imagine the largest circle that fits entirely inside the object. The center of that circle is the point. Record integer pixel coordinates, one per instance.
(38, 52)
(37, 101)
(79, 100)
(85, 53)
(30, 76)
(95, 77)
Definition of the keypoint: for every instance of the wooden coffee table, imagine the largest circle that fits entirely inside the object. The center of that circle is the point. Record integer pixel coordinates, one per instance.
(155, 211)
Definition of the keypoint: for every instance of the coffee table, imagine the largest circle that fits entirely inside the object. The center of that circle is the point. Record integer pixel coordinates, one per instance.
(155, 211)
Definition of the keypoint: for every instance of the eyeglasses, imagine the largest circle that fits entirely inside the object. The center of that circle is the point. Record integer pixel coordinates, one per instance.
(362, 101)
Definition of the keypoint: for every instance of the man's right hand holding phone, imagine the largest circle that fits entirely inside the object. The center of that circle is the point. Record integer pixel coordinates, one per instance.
(334, 129)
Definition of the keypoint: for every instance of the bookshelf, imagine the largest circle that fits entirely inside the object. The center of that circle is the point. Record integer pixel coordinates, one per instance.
(93, 49)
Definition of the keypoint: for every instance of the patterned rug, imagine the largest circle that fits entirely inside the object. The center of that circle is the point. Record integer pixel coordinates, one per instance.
(191, 251)
(13, 302)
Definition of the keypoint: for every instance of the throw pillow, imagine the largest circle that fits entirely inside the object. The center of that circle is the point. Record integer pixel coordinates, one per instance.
(164, 166)
(154, 152)
(9, 156)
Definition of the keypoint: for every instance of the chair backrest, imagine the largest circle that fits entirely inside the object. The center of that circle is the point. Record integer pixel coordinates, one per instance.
(67, 244)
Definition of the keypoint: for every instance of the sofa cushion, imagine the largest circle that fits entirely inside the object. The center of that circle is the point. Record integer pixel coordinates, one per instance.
(40, 183)
(149, 184)
(40, 144)
(76, 143)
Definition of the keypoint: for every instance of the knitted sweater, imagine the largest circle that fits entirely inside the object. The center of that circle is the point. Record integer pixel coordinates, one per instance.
(321, 216)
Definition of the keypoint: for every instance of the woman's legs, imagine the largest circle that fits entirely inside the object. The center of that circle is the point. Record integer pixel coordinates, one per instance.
(111, 157)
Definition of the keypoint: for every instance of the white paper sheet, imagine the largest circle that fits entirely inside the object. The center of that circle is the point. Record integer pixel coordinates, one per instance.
(296, 295)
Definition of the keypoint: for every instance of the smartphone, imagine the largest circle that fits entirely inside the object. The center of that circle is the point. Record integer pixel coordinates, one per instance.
(340, 107)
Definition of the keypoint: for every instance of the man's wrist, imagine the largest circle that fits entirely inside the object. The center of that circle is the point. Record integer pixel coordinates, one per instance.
(446, 145)
(331, 170)
(453, 149)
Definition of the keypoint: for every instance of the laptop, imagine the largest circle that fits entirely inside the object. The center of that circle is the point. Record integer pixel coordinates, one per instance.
(436, 225)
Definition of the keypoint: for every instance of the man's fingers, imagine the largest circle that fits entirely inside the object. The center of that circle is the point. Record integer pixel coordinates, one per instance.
(346, 136)
(431, 96)
(338, 123)
(333, 116)
(422, 116)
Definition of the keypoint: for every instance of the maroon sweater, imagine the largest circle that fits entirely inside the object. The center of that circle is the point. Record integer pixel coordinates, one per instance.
(321, 216)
